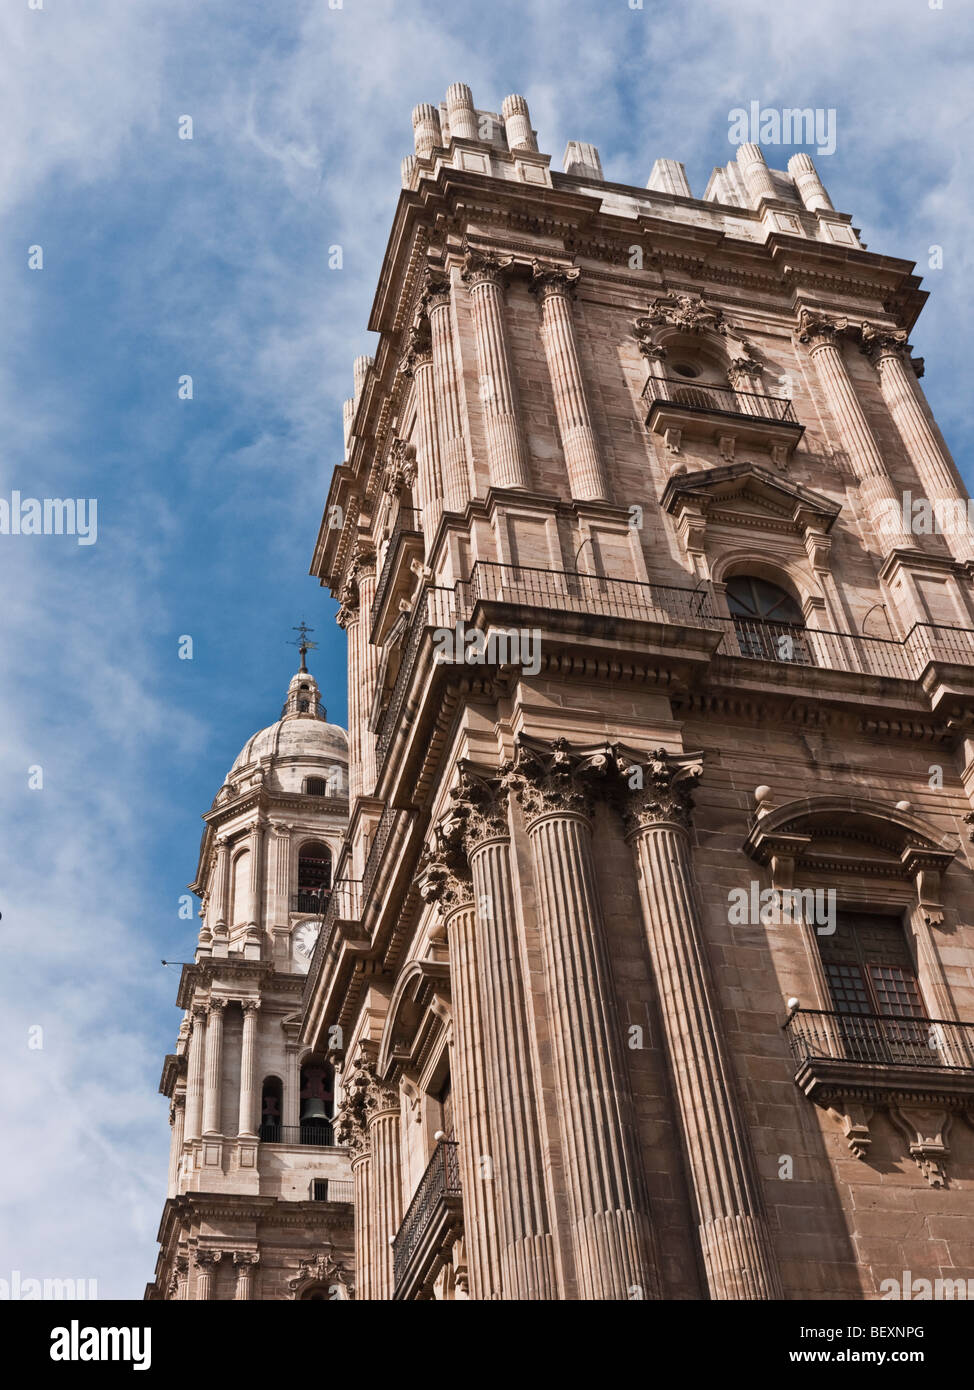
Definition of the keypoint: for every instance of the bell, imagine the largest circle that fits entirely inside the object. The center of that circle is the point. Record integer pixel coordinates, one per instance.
(313, 1112)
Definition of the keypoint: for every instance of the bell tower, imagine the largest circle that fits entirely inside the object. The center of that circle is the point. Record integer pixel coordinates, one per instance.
(259, 1194)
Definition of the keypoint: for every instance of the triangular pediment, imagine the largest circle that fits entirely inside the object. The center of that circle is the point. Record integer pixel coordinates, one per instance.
(747, 494)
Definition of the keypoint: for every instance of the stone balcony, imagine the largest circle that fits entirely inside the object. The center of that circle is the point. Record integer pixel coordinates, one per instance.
(682, 409)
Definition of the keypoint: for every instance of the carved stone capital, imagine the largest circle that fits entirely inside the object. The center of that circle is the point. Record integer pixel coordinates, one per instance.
(246, 1257)
(819, 330)
(436, 290)
(444, 874)
(419, 349)
(549, 778)
(743, 369)
(401, 469)
(878, 344)
(659, 790)
(485, 268)
(548, 280)
(206, 1259)
(480, 802)
(351, 1126)
(251, 1006)
(217, 1006)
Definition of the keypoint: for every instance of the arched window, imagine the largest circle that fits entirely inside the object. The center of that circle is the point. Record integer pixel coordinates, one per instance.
(314, 876)
(768, 621)
(271, 1109)
(240, 889)
(317, 1101)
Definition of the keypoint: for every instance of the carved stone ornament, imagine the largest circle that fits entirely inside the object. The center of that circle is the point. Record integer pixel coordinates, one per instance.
(817, 329)
(926, 1131)
(688, 312)
(878, 343)
(444, 874)
(401, 470)
(549, 279)
(362, 563)
(436, 290)
(480, 807)
(485, 267)
(659, 790)
(322, 1268)
(547, 779)
(419, 349)
(351, 1128)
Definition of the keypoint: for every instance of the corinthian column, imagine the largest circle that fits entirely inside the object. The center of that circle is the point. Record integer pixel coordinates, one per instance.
(382, 1109)
(206, 1261)
(194, 1073)
(255, 915)
(213, 1075)
(527, 1263)
(418, 364)
(455, 476)
(555, 286)
(882, 501)
(363, 660)
(221, 885)
(737, 1249)
(447, 880)
(177, 1119)
(245, 1262)
(247, 1121)
(506, 457)
(351, 1133)
(888, 351)
(349, 618)
(611, 1231)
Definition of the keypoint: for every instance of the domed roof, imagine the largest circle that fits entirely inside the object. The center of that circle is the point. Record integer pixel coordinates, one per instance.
(301, 732)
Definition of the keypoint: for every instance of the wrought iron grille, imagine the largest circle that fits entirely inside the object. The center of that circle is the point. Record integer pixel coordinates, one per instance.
(725, 400)
(441, 1179)
(880, 1038)
(319, 1134)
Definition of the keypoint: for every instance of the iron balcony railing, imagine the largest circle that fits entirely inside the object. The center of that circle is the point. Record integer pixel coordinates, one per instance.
(310, 900)
(316, 1133)
(441, 1180)
(571, 591)
(880, 1039)
(724, 400)
(332, 1190)
(345, 904)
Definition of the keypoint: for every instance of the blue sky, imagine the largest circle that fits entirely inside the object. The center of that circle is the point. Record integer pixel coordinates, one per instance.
(164, 257)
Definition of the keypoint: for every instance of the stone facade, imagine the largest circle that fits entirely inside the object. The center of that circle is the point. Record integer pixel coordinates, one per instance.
(259, 1199)
(648, 968)
(665, 442)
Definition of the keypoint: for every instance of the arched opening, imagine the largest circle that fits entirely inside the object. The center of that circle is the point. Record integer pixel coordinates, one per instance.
(315, 1293)
(317, 1096)
(240, 889)
(271, 1109)
(767, 620)
(314, 876)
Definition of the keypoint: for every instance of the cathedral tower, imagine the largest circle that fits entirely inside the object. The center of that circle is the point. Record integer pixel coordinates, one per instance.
(648, 964)
(259, 1193)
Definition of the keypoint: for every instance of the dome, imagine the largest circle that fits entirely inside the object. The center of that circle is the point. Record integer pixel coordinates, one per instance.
(302, 732)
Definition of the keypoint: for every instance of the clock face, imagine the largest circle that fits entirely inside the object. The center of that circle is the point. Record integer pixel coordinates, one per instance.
(304, 944)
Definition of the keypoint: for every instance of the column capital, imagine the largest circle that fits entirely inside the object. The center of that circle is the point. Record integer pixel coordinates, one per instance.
(199, 1011)
(549, 280)
(206, 1259)
(246, 1257)
(818, 329)
(346, 616)
(436, 291)
(444, 874)
(216, 1006)
(662, 793)
(878, 344)
(485, 268)
(743, 368)
(480, 801)
(553, 778)
(419, 348)
(250, 1006)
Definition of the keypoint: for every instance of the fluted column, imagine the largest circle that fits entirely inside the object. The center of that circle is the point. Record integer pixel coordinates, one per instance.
(350, 620)
(255, 838)
(352, 1133)
(737, 1249)
(883, 502)
(213, 1071)
(206, 1262)
(282, 873)
(221, 884)
(611, 1231)
(247, 1121)
(245, 1263)
(177, 1120)
(527, 1259)
(454, 472)
(367, 672)
(194, 1073)
(382, 1108)
(554, 286)
(888, 351)
(181, 1276)
(506, 455)
(447, 880)
(418, 364)
(363, 660)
